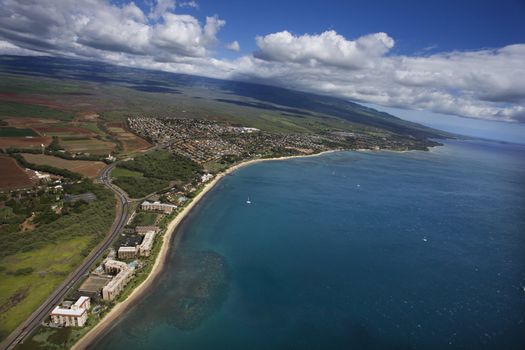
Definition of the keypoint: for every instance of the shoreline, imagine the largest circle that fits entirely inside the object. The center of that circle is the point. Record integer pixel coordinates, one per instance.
(109, 319)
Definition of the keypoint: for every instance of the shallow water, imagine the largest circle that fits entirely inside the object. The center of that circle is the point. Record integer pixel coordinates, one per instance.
(361, 250)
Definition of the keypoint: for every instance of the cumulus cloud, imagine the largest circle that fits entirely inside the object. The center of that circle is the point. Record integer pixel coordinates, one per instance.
(234, 46)
(481, 83)
(327, 48)
(76, 27)
(160, 8)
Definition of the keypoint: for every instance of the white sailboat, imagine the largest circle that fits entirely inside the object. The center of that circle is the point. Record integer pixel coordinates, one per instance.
(248, 201)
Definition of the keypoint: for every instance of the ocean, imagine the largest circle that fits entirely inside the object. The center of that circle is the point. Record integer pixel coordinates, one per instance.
(348, 250)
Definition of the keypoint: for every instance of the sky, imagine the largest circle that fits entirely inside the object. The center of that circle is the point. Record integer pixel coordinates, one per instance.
(439, 58)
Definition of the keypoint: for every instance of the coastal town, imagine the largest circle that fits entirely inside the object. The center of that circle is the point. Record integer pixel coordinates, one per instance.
(202, 142)
(186, 155)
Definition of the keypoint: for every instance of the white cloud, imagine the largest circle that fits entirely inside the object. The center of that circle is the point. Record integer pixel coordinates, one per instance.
(189, 4)
(160, 8)
(77, 27)
(481, 83)
(234, 46)
(327, 48)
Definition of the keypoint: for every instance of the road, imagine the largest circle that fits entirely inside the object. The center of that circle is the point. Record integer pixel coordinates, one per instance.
(36, 318)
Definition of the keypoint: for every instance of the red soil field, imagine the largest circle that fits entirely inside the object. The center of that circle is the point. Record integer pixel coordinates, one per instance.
(24, 142)
(29, 122)
(43, 130)
(29, 99)
(85, 167)
(13, 176)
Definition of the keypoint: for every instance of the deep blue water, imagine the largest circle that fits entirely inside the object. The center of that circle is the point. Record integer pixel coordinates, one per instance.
(350, 250)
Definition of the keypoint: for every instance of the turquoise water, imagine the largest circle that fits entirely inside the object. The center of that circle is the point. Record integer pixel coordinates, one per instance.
(350, 250)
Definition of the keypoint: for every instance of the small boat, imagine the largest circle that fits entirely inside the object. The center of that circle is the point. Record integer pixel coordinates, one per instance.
(248, 201)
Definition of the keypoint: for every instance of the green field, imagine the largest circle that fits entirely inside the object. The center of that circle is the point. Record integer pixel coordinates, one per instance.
(14, 109)
(144, 219)
(164, 166)
(121, 172)
(92, 126)
(152, 172)
(16, 132)
(21, 293)
(33, 263)
(138, 187)
(87, 145)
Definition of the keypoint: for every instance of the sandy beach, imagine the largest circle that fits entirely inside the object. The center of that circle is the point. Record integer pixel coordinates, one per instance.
(160, 261)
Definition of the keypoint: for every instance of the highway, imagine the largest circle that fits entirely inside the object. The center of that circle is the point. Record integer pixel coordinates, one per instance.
(39, 315)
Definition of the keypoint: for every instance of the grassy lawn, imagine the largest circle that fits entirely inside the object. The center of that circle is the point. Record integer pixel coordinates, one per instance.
(23, 293)
(16, 132)
(144, 219)
(120, 172)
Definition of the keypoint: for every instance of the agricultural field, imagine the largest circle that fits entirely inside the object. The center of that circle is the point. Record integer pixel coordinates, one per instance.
(87, 168)
(16, 132)
(13, 176)
(16, 109)
(130, 142)
(24, 142)
(87, 145)
(29, 122)
(63, 131)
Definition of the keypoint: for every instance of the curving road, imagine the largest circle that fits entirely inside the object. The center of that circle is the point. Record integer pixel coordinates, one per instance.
(36, 318)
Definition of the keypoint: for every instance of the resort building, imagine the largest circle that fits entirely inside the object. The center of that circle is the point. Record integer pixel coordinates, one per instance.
(158, 206)
(141, 230)
(147, 243)
(117, 283)
(74, 316)
(206, 177)
(127, 253)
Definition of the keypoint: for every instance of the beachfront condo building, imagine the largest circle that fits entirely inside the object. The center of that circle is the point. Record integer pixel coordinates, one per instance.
(158, 206)
(126, 253)
(147, 243)
(74, 316)
(141, 230)
(117, 283)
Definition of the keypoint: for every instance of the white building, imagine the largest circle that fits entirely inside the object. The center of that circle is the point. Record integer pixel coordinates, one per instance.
(127, 252)
(206, 177)
(76, 316)
(158, 206)
(147, 243)
(117, 283)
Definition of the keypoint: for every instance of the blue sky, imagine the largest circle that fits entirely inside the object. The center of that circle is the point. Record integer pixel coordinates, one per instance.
(416, 25)
(434, 58)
